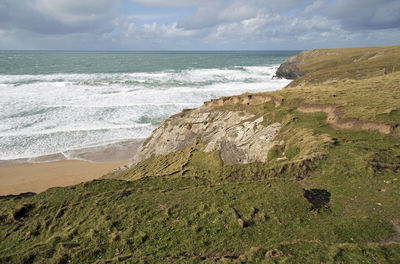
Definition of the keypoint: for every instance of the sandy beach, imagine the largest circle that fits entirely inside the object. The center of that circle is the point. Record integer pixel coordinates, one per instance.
(39, 174)
(38, 177)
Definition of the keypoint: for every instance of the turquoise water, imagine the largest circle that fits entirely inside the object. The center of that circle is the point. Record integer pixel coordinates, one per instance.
(52, 102)
(49, 62)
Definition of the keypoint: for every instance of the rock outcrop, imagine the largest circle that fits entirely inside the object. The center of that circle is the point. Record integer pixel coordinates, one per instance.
(240, 137)
(289, 69)
(292, 68)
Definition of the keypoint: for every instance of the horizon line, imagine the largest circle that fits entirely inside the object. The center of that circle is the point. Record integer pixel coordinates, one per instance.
(205, 50)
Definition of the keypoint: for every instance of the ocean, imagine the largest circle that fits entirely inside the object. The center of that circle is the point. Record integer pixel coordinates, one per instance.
(54, 102)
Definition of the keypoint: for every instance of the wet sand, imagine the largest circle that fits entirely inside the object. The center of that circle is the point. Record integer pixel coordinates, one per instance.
(39, 174)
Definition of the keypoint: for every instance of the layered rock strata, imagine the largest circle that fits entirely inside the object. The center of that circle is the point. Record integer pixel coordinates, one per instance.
(240, 137)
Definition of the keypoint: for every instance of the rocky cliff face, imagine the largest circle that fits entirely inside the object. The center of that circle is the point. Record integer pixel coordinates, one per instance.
(244, 138)
(289, 69)
(240, 137)
(299, 65)
(293, 68)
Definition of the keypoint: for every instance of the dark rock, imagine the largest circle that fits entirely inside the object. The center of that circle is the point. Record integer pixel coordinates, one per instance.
(18, 196)
(318, 198)
(288, 70)
(231, 154)
(23, 211)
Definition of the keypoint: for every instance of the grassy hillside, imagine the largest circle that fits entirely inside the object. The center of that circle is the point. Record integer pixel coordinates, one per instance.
(320, 65)
(329, 192)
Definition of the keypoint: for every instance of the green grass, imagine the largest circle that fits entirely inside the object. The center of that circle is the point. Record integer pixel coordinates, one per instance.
(375, 98)
(337, 64)
(187, 207)
(189, 215)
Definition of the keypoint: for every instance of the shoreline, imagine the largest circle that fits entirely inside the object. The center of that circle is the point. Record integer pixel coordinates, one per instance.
(111, 152)
(37, 174)
(86, 164)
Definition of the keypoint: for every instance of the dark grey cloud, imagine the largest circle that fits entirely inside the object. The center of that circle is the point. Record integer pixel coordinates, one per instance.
(58, 17)
(351, 15)
(366, 14)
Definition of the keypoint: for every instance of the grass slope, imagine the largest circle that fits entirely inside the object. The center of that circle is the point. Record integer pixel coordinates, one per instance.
(355, 63)
(325, 196)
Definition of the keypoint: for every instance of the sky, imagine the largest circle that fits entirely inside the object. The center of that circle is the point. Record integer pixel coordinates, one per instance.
(197, 24)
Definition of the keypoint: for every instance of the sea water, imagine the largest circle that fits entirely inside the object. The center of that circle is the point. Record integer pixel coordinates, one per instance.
(52, 102)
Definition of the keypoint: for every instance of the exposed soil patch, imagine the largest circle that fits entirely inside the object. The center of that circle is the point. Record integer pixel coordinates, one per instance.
(318, 198)
(334, 112)
(334, 118)
(275, 253)
(246, 99)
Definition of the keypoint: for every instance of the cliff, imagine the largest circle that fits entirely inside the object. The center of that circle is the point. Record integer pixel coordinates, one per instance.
(307, 174)
(315, 66)
(242, 137)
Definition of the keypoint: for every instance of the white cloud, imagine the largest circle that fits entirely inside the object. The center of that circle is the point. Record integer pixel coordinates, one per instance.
(155, 30)
(226, 31)
(314, 6)
(130, 29)
(219, 12)
(174, 31)
(315, 23)
(246, 29)
(254, 25)
(150, 28)
(211, 15)
(237, 11)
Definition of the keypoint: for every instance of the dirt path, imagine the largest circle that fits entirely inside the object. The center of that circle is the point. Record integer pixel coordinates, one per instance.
(334, 118)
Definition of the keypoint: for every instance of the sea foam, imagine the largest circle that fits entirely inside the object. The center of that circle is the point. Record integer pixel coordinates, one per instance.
(46, 114)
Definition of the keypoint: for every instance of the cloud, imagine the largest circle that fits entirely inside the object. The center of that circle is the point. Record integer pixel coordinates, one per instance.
(216, 13)
(366, 15)
(174, 31)
(197, 24)
(58, 17)
(172, 3)
(77, 12)
(203, 18)
(387, 16)
(247, 28)
(260, 22)
(155, 30)
(313, 7)
(237, 11)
